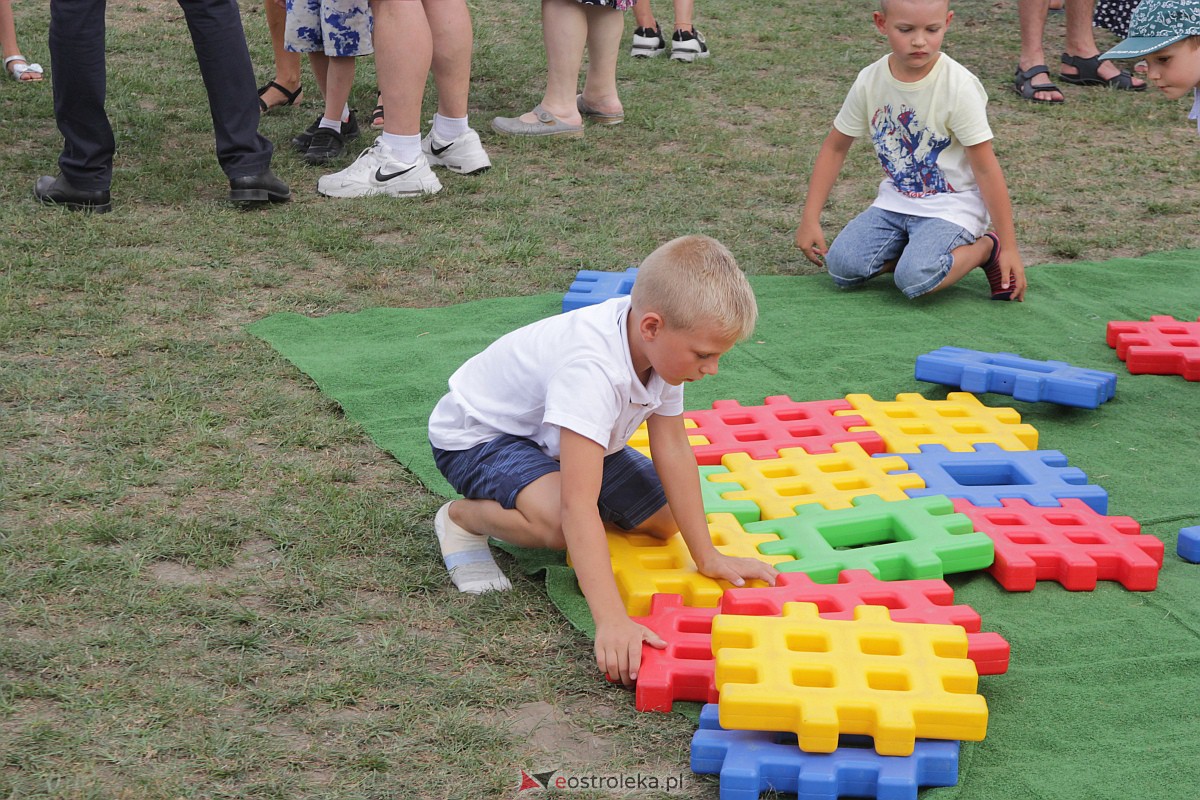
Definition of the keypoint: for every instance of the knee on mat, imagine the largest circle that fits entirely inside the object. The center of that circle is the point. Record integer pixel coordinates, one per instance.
(845, 268)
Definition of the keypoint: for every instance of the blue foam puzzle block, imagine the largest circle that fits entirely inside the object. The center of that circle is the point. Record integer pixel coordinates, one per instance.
(752, 762)
(591, 286)
(1022, 378)
(1188, 546)
(989, 474)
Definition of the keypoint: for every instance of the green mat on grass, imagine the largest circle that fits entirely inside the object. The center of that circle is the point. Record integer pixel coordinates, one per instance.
(1101, 696)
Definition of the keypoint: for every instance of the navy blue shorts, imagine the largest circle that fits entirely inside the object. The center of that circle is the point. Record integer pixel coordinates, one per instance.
(630, 491)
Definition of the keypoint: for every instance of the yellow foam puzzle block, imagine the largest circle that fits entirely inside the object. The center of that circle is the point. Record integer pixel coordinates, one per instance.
(821, 678)
(796, 478)
(645, 566)
(640, 440)
(959, 423)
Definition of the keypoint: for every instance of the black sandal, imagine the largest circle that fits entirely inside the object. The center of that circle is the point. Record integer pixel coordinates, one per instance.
(1089, 74)
(292, 97)
(377, 116)
(1023, 83)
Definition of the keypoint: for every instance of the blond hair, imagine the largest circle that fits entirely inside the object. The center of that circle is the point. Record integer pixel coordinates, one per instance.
(694, 282)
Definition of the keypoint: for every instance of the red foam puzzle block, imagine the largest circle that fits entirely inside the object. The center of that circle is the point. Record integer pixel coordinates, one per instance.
(1162, 346)
(684, 670)
(1072, 544)
(762, 431)
(927, 601)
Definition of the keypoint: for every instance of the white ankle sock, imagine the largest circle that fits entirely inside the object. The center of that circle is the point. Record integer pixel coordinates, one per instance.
(332, 124)
(467, 556)
(406, 149)
(447, 129)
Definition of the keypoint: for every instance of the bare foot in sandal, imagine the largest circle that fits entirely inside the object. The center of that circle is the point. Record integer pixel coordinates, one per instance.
(1033, 83)
(21, 70)
(276, 95)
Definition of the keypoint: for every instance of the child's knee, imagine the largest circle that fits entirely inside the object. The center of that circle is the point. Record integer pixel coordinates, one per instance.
(846, 267)
(661, 525)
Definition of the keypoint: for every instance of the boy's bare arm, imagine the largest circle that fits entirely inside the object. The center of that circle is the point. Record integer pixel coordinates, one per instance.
(809, 236)
(675, 464)
(994, 190)
(618, 638)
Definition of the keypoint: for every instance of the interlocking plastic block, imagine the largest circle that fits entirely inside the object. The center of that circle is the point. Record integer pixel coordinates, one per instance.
(1022, 378)
(821, 678)
(761, 432)
(752, 762)
(911, 539)
(1188, 546)
(645, 566)
(1071, 544)
(798, 478)
(1162, 346)
(744, 510)
(591, 286)
(928, 601)
(684, 669)
(988, 474)
(959, 422)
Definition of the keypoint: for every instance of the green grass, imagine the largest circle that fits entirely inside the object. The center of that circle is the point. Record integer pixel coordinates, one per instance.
(211, 584)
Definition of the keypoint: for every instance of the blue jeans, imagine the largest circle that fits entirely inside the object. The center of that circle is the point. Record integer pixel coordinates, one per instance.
(919, 246)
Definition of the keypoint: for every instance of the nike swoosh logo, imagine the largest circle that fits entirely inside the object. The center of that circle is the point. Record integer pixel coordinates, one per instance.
(384, 178)
(437, 151)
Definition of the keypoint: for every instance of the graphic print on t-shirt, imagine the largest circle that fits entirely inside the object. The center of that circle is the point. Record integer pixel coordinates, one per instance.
(909, 152)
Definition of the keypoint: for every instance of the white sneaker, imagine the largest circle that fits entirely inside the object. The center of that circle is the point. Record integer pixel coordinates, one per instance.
(688, 46)
(376, 171)
(464, 154)
(648, 43)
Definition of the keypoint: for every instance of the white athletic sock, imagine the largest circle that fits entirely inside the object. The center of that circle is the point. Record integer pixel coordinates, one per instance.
(406, 149)
(467, 556)
(332, 124)
(447, 129)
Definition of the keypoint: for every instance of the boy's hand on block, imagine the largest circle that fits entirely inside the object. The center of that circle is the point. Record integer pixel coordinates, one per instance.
(619, 648)
(737, 570)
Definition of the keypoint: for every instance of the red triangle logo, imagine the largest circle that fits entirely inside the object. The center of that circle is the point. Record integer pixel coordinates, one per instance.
(528, 782)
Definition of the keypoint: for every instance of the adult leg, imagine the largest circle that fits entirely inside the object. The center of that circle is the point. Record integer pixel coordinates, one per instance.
(605, 26)
(1031, 15)
(9, 47)
(643, 15)
(403, 56)
(1081, 42)
(453, 40)
(287, 64)
(565, 33)
(220, 44)
(80, 83)
(684, 12)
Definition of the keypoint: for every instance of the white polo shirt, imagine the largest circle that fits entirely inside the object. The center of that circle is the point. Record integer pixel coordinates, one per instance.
(569, 371)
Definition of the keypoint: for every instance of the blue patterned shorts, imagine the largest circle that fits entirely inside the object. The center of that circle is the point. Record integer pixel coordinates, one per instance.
(630, 491)
(333, 27)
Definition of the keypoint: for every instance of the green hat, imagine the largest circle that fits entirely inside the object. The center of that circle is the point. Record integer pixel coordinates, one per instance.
(1156, 24)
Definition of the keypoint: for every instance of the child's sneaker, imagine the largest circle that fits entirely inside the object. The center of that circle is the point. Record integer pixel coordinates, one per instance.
(326, 145)
(688, 46)
(648, 43)
(464, 155)
(376, 171)
(301, 141)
